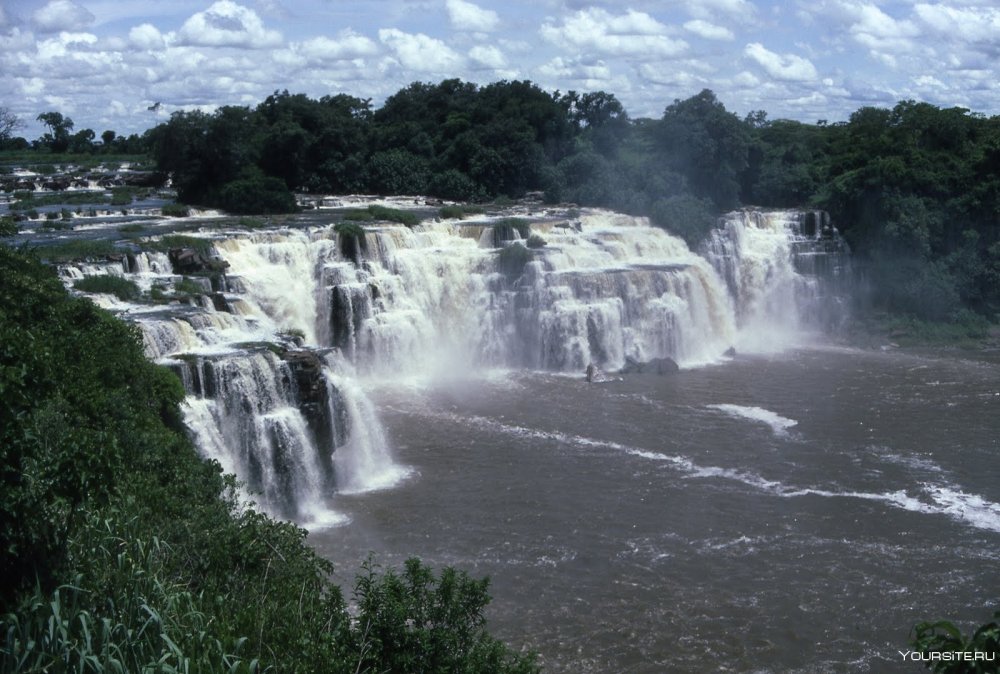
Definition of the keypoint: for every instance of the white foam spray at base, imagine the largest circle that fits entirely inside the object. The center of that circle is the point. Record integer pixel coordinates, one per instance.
(938, 499)
(778, 423)
(365, 462)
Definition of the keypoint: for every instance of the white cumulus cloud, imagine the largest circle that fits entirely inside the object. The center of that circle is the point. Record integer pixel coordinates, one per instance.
(345, 46)
(468, 16)
(146, 36)
(737, 9)
(978, 24)
(489, 56)
(781, 66)
(709, 31)
(634, 34)
(227, 24)
(57, 15)
(420, 53)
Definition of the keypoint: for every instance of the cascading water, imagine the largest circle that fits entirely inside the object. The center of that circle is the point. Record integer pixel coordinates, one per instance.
(787, 272)
(270, 363)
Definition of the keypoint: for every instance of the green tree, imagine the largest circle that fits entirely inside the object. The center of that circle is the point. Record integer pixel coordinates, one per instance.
(708, 145)
(58, 138)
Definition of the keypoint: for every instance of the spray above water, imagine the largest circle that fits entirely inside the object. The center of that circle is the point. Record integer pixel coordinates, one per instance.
(271, 351)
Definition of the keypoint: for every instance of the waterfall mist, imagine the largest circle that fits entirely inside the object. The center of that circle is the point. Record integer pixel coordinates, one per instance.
(274, 354)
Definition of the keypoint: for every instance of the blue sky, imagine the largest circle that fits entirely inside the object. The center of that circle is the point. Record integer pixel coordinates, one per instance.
(105, 62)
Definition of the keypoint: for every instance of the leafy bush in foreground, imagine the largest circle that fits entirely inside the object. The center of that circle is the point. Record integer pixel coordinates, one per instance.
(943, 647)
(122, 550)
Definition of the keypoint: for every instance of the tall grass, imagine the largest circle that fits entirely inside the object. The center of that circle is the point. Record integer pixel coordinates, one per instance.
(142, 620)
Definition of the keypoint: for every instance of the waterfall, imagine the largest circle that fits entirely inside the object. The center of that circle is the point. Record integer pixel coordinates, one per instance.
(289, 324)
(787, 272)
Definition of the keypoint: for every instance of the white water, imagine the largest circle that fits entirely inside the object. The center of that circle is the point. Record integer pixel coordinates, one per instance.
(434, 300)
(778, 424)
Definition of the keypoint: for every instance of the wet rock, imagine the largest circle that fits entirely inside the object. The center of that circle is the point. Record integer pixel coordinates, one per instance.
(145, 179)
(316, 400)
(660, 366)
(190, 261)
(730, 352)
(57, 184)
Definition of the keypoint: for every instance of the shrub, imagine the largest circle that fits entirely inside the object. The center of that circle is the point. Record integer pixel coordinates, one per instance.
(688, 217)
(353, 241)
(512, 259)
(259, 195)
(393, 215)
(165, 243)
(7, 226)
(508, 229)
(454, 185)
(122, 196)
(458, 211)
(122, 550)
(175, 210)
(122, 288)
(76, 250)
(535, 241)
(943, 637)
(358, 215)
(187, 286)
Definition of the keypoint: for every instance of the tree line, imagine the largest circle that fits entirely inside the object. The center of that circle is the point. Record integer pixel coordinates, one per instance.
(915, 189)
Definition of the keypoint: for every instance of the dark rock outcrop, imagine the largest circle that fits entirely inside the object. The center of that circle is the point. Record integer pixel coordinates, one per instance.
(653, 366)
(190, 261)
(316, 398)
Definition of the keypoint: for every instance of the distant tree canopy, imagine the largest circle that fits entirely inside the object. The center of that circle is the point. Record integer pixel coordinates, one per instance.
(915, 189)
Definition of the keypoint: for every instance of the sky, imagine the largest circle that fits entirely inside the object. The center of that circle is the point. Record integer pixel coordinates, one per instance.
(107, 63)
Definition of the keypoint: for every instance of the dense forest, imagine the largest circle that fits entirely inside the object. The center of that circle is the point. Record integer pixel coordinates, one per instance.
(915, 189)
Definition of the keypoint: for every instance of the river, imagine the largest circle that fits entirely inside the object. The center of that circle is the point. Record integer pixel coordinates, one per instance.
(795, 507)
(792, 512)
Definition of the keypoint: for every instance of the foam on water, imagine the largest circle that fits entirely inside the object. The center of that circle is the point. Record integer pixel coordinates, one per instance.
(934, 499)
(777, 423)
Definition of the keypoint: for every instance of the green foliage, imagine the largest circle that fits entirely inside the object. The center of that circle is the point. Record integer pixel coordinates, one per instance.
(189, 287)
(122, 288)
(509, 229)
(940, 642)
(77, 249)
(26, 200)
(358, 215)
(534, 241)
(256, 196)
(708, 145)
(175, 210)
(512, 259)
(459, 211)
(123, 196)
(121, 550)
(393, 215)
(455, 185)
(398, 171)
(8, 227)
(416, 622)
(349, 229)
(164, 244)
(251, 223)
(352, 239)
(688, 217)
